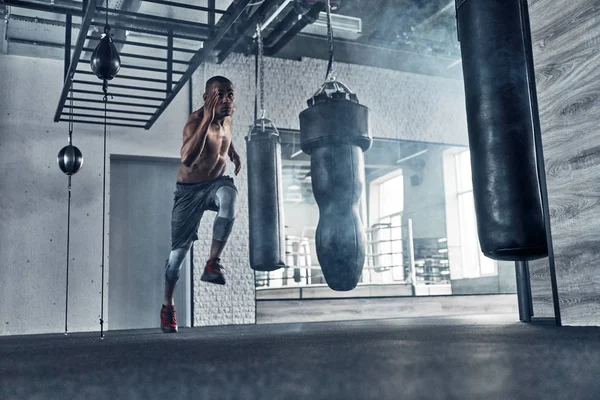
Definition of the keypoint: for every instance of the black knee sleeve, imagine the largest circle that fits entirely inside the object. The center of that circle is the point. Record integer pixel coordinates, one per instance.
(222, 228)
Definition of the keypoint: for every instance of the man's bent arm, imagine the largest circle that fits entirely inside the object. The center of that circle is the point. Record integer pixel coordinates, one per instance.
(232, 151)
(194, 142)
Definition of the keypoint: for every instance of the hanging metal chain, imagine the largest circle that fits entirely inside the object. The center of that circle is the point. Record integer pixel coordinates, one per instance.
(261, 70)
(330, 41)
(331, 83)
(106, 18)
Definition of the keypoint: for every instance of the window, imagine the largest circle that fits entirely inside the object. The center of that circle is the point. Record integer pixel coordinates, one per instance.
(391, 196)
(474, 263)
(387, 227)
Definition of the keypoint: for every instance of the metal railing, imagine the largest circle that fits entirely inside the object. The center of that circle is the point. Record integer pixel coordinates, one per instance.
(393, 256)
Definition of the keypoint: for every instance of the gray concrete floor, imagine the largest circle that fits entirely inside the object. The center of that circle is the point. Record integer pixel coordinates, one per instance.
(476, 357)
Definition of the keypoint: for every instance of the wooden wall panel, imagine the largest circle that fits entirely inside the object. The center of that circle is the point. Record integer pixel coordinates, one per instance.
(541, 289)
(290, 311)
(566, 41)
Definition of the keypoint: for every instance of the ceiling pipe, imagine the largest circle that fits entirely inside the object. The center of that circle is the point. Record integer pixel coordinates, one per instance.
(296, 20)
(285, 25)
(273, 16)
(302, 13)
(245, 30)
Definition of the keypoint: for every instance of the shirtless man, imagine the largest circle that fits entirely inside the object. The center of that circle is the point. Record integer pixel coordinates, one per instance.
(202, 186)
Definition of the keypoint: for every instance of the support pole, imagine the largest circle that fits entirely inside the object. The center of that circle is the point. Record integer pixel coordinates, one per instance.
(68, 32)
(85, 25)
(539, 152)
(523, 291)
(411, 256)
(170, 61)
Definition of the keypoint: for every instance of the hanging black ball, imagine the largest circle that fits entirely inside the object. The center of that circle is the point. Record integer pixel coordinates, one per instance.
(105, 61)
(70, 159)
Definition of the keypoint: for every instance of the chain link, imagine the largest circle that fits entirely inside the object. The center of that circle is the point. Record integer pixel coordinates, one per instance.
(330, 75)
(261, 69)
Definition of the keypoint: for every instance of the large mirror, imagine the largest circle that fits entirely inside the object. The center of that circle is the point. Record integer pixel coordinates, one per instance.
(420, 223)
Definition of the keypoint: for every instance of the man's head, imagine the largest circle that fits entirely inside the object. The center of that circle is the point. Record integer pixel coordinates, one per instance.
(226, 103)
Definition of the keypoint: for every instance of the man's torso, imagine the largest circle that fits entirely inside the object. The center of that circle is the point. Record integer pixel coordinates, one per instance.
(213, 159)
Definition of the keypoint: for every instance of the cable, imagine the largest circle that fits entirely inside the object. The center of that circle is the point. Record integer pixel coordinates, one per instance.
(105, 89)
(68, 220)
(68, 242)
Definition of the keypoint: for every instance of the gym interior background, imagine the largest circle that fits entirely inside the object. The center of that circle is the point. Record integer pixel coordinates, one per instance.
(431, 317)
(405, 65)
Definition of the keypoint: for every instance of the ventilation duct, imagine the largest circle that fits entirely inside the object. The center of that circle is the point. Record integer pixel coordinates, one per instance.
(344, 27)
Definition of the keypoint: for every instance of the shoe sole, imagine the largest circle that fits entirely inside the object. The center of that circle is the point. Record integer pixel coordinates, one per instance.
(216, 279)
(168, 329)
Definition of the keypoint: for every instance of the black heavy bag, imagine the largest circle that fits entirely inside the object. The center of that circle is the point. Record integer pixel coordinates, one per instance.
(265, 201)
(496, 58)
(334, 131)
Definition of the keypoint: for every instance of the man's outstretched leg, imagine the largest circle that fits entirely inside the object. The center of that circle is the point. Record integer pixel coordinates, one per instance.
(225, 199)
(168, 318)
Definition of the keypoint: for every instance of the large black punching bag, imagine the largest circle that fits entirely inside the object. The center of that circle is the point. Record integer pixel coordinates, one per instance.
(334, 131)
(265, 200)
(497, 69)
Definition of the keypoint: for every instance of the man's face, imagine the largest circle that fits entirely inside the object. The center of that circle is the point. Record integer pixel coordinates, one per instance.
(226, 103)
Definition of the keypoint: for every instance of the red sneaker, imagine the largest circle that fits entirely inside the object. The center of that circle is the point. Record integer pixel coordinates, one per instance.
(213, 272)
(168, 319)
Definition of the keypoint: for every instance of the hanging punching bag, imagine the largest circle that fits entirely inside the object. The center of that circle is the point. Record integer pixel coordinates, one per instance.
(335, 132)
(105, 61)
(495, 50)
(265, 201)
(69, 159)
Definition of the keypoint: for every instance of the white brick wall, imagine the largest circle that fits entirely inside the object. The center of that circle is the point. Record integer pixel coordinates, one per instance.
(403, 105)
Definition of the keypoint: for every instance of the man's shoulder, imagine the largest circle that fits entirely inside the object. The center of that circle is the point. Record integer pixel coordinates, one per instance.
(194, 119)
(196, 115)
(228, 123)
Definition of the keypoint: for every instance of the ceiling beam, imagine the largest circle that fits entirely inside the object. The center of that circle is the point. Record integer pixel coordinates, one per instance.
(197, 32)
(45, 7)
(356, 53)
(244, 31)
(235, 10)
(120, 34)
(210, 9)
(81, 38)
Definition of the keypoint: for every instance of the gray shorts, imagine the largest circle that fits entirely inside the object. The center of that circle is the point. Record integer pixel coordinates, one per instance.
(191, 200)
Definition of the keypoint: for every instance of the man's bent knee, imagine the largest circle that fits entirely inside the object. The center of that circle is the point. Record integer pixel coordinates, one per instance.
(174, 263)
(226, 200)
